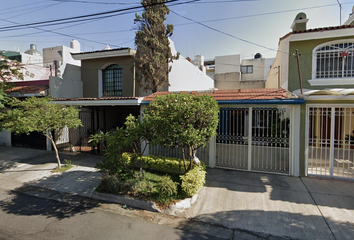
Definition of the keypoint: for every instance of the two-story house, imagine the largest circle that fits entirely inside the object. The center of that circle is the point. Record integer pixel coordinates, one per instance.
(318, 64)
(110, 91)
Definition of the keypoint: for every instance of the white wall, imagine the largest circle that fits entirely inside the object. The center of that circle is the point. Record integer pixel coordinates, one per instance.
(184, 76)
(65, 88)
(63, 55)
(68, 82)
(227, 64)
(282, 60)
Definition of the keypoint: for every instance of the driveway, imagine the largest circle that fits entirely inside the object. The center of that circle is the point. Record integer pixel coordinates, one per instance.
(299, 208)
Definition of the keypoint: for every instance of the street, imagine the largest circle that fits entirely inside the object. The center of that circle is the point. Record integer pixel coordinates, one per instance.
(28, 217)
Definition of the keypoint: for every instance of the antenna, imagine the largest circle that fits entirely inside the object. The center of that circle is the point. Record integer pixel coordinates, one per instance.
(340, 12)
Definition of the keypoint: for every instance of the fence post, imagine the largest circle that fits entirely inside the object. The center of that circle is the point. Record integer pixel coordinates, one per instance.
(212, 152)
(294, 145)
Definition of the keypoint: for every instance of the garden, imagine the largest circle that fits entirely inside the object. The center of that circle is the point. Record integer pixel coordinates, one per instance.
(182, 121)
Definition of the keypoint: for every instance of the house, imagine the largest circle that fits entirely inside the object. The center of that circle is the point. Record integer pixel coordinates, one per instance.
(257, 131)
(110, 91)
(318, 64)
(55, 73)
(65, 72)
(230, 72)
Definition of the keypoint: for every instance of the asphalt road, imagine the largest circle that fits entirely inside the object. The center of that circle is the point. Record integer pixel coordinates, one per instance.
(28, 217)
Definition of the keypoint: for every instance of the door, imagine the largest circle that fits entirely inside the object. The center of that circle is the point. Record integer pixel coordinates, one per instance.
(329, 145)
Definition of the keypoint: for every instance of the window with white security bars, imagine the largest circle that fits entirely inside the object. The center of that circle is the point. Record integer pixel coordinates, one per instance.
(335, 60)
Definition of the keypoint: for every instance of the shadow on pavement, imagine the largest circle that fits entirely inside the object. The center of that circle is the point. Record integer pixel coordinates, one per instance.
(27, 205)
(279, 224)
(12, 156)
(322, 192)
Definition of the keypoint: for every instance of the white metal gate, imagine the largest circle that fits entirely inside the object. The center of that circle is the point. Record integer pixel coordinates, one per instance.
(330, 140)
(254, 139)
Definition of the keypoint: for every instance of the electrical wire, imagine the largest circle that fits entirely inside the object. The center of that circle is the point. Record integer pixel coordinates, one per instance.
(224, 33)
(87, 16)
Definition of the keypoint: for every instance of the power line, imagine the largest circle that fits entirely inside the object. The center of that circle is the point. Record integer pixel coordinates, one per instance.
(86, 17)
(120, 12)
(224, 33)
(104, 3)
(22, 5)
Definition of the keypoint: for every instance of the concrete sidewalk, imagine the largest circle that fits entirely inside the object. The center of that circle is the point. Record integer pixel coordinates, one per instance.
(261, 204)
(299, 208)
(20, 166)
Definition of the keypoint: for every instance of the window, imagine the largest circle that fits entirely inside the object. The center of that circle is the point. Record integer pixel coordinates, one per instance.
(247, 69)
(333, 61)
(112, 81)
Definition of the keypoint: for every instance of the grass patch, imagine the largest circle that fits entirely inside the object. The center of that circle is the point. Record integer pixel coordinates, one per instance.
(64, 167)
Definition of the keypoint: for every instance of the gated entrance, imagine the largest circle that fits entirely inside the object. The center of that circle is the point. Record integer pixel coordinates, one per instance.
(330, 140)
(248, 138)
(94, 120)
(254, 139)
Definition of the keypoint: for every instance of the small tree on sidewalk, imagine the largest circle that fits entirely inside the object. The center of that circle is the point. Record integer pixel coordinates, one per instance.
(182, 121)
(40, 115)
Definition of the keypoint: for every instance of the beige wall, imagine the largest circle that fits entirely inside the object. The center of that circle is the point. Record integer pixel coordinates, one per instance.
(92, 68)
(258, 69)
(232, 81)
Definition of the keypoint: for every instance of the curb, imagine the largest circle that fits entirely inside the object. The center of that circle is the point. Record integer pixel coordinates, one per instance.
(124, 200)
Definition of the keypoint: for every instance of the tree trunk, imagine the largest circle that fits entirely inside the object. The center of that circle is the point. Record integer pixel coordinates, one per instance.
(184, 160)
(50, 137)
(191, 156)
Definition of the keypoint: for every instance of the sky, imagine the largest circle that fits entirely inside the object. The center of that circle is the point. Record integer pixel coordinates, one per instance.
(205, 27)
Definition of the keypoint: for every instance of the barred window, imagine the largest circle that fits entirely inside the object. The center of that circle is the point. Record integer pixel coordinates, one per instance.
(335, 60)
(112, 81)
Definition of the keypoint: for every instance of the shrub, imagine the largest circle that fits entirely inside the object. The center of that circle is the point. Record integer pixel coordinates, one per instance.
(114, 184)
(110, 184)
(161, 164)
(166, 188)
(141, 186)
(193, 180)
(186, 121)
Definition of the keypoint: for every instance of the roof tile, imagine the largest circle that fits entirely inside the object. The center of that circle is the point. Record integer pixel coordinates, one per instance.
(28, 89)
(235, 94)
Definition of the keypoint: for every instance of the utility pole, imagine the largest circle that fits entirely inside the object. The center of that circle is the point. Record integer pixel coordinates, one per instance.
(279, 83)
(340, 12)
(278, 69)
(298, 68)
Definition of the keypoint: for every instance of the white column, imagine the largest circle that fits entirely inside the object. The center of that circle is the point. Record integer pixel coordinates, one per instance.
(212, 152)
(249, 139)
(295, 118)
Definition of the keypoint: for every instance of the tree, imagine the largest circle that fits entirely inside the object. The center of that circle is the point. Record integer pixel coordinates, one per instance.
(41, 115)
(8, 70)
(117, 142)
(153, 53)
(182, 120)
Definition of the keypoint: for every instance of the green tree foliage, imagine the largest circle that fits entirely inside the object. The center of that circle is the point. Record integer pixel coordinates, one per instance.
(40, 115)
(182, 121)
(151, 40)
(116, 143)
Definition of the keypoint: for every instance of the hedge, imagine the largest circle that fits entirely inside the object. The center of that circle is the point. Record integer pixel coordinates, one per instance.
(161, 164)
